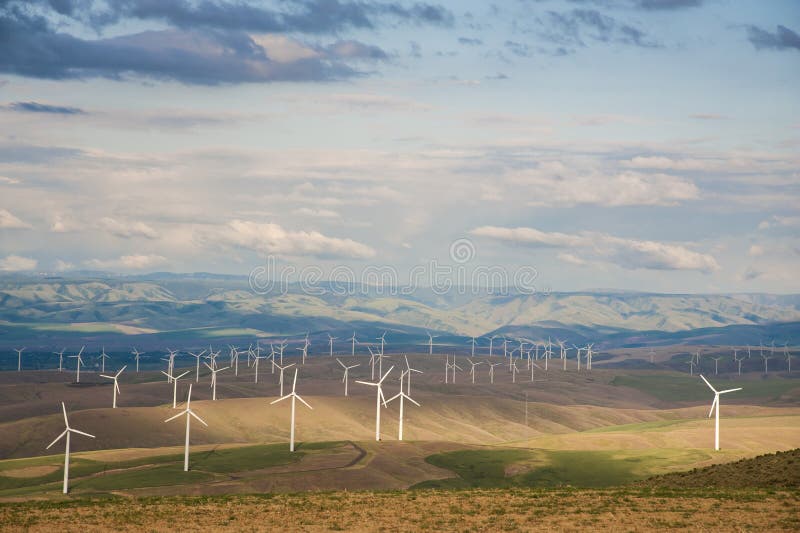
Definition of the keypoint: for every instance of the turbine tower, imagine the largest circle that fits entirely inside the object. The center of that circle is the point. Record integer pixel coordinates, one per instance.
(79, 362)
(330, 344)
(103, 357)
(214, 372)
(472, 368)
(402, 396)
(189, 414)
(174, 380)
(61, 359)
(715, 409)
(136, 353)
(282, 368)
(67, 433)
(19, 358)
(354, 341)
(410, 371)
(294, 396)
(197, 357)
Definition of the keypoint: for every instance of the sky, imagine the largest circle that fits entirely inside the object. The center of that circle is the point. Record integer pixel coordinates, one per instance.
(648, 145)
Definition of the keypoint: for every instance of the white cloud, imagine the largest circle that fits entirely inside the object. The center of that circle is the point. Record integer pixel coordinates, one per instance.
(755, 250)
(9, 221)
(63, 224)
(554, 185)
(780, 222)
(8, 181)
(316, 213)
(627, 253)
(128, 230)
(61, 265)
(127, 262)
(14, 263)
(571, 258)
(273, 239)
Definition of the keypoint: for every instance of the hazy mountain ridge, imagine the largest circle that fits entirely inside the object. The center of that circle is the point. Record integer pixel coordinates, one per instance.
(174, 302)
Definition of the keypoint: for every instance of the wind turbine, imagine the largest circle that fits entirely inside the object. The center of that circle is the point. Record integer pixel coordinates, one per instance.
(256, 359)
(491, 344)
(766, 358)
(378, 398)
(234, 353)
(716, 364)
(197, 356)
(282, 368)
(19, 358)
(472, 368)
(691, 366)
(788, 357)
(738, 360)
(174, 380)
(578, 355)
(401, 396)
(136, 353)
(410, 370)
(79, 362)
(430, 342)
(172, 354)
(491, 371)
(382, 338)
(452, 366)
(514, 371)
(304, 349)
(115, 377)
(652, 354)
(330, 344)
(589, 355)
(189, 413)
(294, 396)
(66, 454)
(103, 357)
(354, 341)
(60, 359)
(346, 372)
(473, 342)
(214, 379)
(715, 408)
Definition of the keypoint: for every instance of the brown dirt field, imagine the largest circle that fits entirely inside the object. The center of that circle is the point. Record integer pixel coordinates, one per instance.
(476, 510)
(31, 471)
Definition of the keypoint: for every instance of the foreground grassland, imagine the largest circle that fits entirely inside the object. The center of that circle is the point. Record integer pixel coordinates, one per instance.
(472, 510)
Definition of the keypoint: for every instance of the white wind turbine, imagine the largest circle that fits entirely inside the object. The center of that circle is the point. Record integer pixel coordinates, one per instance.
(402, 396)
(294, 396)
(354, 341)
(715, 408)
(491, 344)
(589, 355)
(452, 366)
(214, 372)
(472, 368)
(19, 358)
(410, 370)
(534, 365)
(738, 360)
(234, 354)
(473, 341)
(330, 344)
(67, 433)
(378, 398)
(136, 353)
(491, 371)
(304, 349)
(382, 338)
(115, 377)
(281, 346)
(578, 356)
(430, 342)
(79, 362)
(171, 361)
(716, 364)
(282, 368)
(256, 359)
(60, 359)
(103, 357)
(189, 413)
(174, 380)
(514, 371)
(346, 372)
(197, 357)
(788, 358)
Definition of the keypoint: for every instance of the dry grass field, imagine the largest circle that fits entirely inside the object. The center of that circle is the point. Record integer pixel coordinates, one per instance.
(472, 510)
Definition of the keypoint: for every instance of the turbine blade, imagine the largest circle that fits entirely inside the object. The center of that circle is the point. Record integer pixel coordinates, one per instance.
(367, 383)
(57, 439)
(81, 433)
(176, 416)
(412, 400)
(713, 404)
(197, 417)
(386, 374)
(64, 410)
(729, 390)
(179, 377)
(302, 400)
(280, 399)
(709, 384)
(121, 370)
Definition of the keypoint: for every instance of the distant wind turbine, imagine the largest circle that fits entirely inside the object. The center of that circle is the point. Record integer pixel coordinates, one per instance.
(401, 396)
(115, 377)
(189, 413)
(294, 396)
(330, 344)
(379, 397)
(214, 372)
(491, 371)
(282, 368)
(197, 356)
(67, 433)
(60, 359)
(174, 380)
(136, 353)
(19, 358)
(346, 372)
(354, 341)
(715, 409)
(472, 368)
(78, 363)
(103, 357)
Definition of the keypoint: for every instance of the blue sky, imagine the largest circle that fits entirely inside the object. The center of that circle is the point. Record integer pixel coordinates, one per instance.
(632, 144)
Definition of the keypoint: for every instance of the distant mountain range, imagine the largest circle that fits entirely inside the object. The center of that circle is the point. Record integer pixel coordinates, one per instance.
(163, 304)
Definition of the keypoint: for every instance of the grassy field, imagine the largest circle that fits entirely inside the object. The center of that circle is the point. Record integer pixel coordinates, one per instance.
(668, 387)
(429, 510)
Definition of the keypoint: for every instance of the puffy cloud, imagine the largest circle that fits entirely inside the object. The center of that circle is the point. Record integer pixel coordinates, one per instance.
(553, 184)
(273, 239)
(62, 266)
(777, 221)
(9, 221)
(316, 213)
(627, 253)
(127, 262)
(127, 230)
(15, 263)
